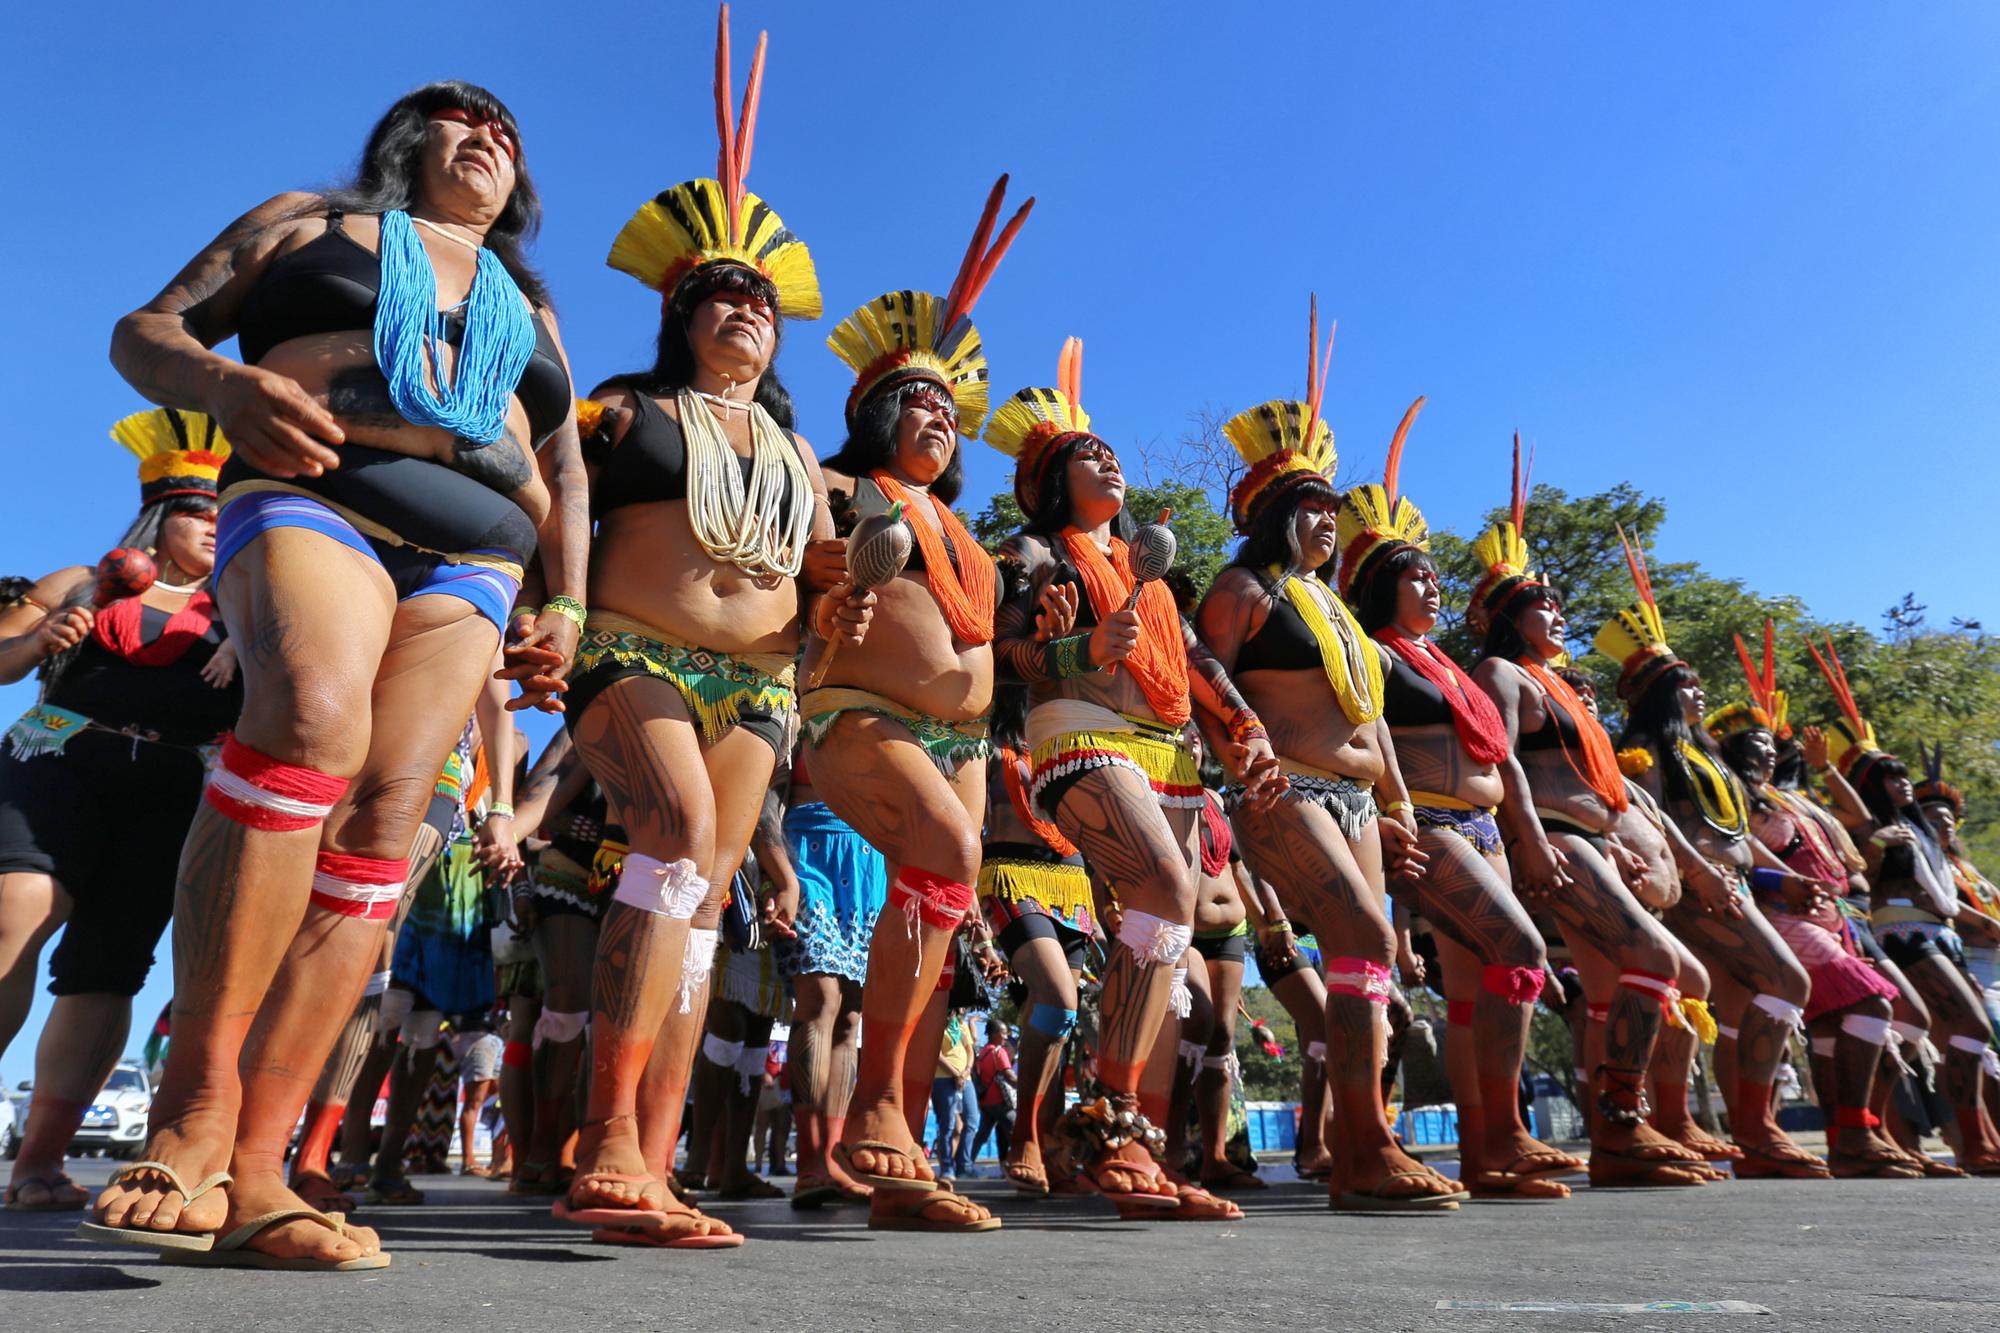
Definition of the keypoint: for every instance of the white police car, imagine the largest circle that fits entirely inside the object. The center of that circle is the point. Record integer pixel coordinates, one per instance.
(115, 1123)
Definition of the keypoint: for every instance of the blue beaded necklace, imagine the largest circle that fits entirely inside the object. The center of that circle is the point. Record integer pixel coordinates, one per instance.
(499, 338)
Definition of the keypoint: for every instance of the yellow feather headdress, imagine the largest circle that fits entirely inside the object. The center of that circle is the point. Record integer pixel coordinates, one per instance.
(1768, 707)
(1636, 638)
(915, 335)
(1375, 521)
(1853, 746)
(1029, 426)
(704, 221)
(1284, 441)
(180, 453)
(1502, 550)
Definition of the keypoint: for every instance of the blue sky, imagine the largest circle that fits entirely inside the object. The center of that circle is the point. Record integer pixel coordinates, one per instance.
(1737, 256)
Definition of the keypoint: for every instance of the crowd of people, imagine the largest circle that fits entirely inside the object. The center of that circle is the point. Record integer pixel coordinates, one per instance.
(826, 762)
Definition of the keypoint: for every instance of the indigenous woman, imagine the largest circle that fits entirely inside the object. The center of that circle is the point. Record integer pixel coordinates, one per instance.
(403, 443)
(1849, 1010)
(897, 730)
(1303, 662)
(1104, 732)
(1978, 921)
(1450, 742)
(99, 780)
(1562, 786)
(1757, 981)
(1036, 894)
(1913, 908)
(682, 700)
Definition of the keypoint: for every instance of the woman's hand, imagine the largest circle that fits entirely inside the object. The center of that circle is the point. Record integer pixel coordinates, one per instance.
(1812, 743)
(538, 660)
(1541, 869)
(278, 428)
(1114, 638)
(1253, 763)
(779, 908)
(220, 669)
(1714, 888)
(1055, 617)
(1278, 941)
(62, 630)
(1401, 856)
(842, 614)
(495, 847)
(825, 565)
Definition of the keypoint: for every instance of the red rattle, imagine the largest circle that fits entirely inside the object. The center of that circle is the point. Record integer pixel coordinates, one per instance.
(123, 572)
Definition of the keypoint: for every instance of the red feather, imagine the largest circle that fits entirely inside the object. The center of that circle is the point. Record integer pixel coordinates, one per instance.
(746, 130)
(1394, 466)
(1069, 371)
(1636, 562)
(980, 262)
(725, 128)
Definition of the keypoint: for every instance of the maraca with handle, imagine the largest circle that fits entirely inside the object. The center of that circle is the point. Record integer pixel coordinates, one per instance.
(877, 551)
(1152, 552)
(123, 572)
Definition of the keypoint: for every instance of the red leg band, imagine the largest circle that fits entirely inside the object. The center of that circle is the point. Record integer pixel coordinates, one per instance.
(1361, 978)
(1515, 985)
(1597, 1013)
(1458, 1013)
(517, 1055)
(949, 972)
(256, 790)
(1855, 1117)
(936, 901)
(360, 886)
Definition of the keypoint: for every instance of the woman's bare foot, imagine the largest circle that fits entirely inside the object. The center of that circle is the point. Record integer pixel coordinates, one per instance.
(42, 1187)
(146, 1200)
(1129, 1170)
(319, 1191)
(255, 1195)
(884, 1124)
(611, 1171)
(1388, 1169)
(1519, 1153)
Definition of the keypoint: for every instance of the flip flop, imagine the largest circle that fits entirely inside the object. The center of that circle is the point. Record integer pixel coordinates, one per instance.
(1513, 1185)
(1239, 1179)
(1624, 1171)
(939, 1225)
(608, 1216)
(1873, 1166)
(656, 1239)
(1320, 1174)
(1030, 1182)
(1374, 1201)
(813, 1197)
(145, 1238)
(53, 1184)
(1196, 1205)
(1759, 1164)
(843, 1156)
(1128, 1198)
(1933, 1169)
(1566, 1166)
(319, 1191)
(400, 1194)
(229, 1252)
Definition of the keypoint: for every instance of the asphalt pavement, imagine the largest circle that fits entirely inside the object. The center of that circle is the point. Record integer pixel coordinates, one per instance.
(1836, 1255)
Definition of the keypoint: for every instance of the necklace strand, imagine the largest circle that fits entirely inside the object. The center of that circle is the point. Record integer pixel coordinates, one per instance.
(748, 526)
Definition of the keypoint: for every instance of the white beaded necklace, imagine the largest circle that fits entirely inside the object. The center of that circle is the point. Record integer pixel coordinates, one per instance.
(747, 526)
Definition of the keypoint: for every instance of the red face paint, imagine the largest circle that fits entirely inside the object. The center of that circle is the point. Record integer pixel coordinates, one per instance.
(494, 126)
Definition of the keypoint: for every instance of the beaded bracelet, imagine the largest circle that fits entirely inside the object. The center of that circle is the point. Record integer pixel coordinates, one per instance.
(1068, 657)
(1394, 808)
(500, 810)
(567, 607)
(1245, 726)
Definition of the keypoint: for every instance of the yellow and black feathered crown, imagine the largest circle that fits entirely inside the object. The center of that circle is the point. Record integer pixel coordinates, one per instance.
(908, 335)
(1636, 638)
(1502, 551)
(180, 453)
(1768, 706)
(1375, 521)
(1284, 441)
(1032, 425)
(1852, 740)
(701, 222)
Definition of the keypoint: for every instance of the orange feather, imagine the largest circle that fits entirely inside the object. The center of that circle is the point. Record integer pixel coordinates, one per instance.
(1394, 466)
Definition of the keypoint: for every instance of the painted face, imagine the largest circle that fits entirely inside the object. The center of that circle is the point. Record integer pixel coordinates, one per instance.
(1096, 482)
(1541, 623)
(926, 434)
(1417, 598)
(189, 541)
(468, 163)
(1761, 749)
(1312, 532)
(734, 334)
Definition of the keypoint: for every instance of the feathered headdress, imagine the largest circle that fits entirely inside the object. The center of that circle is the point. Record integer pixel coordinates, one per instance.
(1636, 638)
(1284, 441)
(1034, 423)
(1502, 550)
(1934, 789)
(1376, 521)
(914, 335)
(180, 453)
(718, 221)
(1767, 707)
(1854, 749)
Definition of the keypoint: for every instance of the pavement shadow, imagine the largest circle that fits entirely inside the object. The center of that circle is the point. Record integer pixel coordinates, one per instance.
(41, 1276)
(534, 1254)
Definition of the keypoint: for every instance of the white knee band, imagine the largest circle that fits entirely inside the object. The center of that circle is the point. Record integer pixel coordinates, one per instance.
(1989, 1059)
(1724, 1030)
(719, 1052)
(750, 1066)
(670, 888)
(1180, 1000)
(1867, 1028)
(377, 983)
(1316, 1050)
(1783, 1010)
(697, 961)
(1824, 1047)
(1215, 1062)
(1909, 1032)
(1154, 939)
(1192, 1053)
(423, 1029)
(396, 1006)
(554, 1025)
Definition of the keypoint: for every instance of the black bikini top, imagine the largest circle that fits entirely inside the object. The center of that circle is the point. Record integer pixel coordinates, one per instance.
(1282, 643)
(648, 464)
(1557, 733)
(329, 285)
(1408, 700)
(869, 501)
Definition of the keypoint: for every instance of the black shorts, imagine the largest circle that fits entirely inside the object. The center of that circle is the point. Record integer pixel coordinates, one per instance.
(1908, 948)
(1230, 948)
(1036, 926)
(105, 819)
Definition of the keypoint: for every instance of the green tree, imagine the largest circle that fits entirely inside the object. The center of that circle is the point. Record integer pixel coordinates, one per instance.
(1205, 537)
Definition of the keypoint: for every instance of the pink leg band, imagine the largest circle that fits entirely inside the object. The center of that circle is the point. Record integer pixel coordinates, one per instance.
(1515, 985)
(1458, 1013)
(1659, 987)
(362, 886)
(264, 793)
(1359, 977)
(936, 901)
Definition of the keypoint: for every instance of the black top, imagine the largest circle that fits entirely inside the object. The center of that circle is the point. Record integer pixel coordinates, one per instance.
(172, 700)
(329, 285)
(1282, 643)
(869, 501)
(1558, 732)
(1408, 700)
(648, 464)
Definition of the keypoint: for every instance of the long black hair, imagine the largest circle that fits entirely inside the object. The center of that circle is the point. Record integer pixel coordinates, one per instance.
(871, 441)
(1735, 749)
(1375, 600)
(143, 534)
(391, 171)
(1051, 513)
(1655, 721)
(674, 363)
(1900, 862)
(1270, 539)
